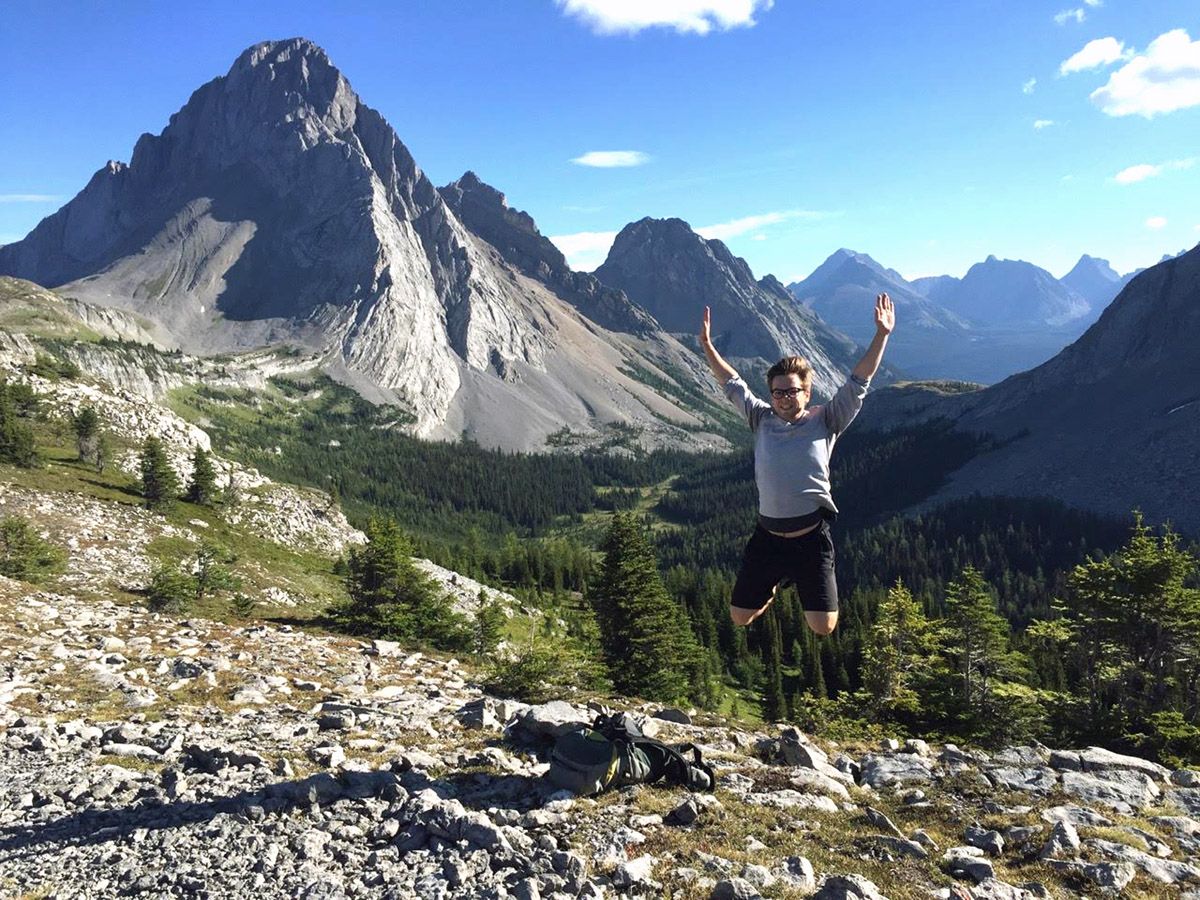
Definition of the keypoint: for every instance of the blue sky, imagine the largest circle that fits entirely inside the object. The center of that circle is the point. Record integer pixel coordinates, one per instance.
(928, 135)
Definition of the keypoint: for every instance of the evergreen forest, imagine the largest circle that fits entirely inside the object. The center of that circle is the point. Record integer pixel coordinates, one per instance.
(1066, 626)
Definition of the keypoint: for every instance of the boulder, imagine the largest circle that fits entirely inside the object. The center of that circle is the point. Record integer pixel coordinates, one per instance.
(887, 770)
(1123, 790)
(848, 887)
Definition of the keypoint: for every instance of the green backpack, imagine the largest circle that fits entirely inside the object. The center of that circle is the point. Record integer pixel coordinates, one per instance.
(613, 752)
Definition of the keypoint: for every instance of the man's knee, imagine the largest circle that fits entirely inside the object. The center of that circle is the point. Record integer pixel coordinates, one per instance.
(822, 623)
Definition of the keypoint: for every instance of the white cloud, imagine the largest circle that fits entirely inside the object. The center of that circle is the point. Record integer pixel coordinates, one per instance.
(685, 16)
(725, 230)
(611, 159)
(1093, 3)
(1163, 79)
(1097, 53)
(1143, 171)
(1136, 173)
(584, 250)
(758, 237)
(1068, 14)
(1027, 87)
(29, 198)
(1039, 124)
(1156, 222)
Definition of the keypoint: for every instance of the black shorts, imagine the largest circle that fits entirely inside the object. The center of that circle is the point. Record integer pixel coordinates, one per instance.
(806, 561)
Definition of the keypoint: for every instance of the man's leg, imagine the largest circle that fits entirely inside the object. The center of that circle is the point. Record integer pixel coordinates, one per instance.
(814, 577)
(742, 616)
(822, 623)
(757, 580)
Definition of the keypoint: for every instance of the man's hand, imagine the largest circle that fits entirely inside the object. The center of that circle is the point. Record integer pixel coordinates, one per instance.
(885, 321)
(722, 371)
(885, 314)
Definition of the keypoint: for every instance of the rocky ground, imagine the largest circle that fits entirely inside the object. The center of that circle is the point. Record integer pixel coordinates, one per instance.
(141, 755)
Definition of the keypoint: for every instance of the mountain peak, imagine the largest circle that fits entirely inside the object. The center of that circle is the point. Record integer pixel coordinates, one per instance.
(837, 266)
(486, 213)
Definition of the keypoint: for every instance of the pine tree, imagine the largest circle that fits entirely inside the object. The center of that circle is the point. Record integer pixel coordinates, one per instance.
(489, 624)
(159, 482)
(774, 704)
(86, 425)
(977, 644)
(202, 487)
(16, 438)
(390, 597)
(1134, 639)
(900, 653)
(103, 450)
(646, 640)
(211, 571)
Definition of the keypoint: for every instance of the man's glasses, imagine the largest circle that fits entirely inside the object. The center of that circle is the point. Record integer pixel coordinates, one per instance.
(780, 393)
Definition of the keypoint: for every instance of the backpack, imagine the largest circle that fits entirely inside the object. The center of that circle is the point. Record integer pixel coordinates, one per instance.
(613, 752)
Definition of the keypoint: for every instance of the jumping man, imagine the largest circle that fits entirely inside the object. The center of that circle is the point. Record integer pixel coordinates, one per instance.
(792, 446)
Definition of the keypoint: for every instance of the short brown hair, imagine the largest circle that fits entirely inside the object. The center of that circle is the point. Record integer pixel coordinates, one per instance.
(792, 365)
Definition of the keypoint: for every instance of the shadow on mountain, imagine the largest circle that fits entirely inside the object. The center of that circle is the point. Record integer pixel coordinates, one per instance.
(303, 251)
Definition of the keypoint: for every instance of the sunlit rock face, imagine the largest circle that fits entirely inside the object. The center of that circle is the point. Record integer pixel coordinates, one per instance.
(277, 207)
(670, 270)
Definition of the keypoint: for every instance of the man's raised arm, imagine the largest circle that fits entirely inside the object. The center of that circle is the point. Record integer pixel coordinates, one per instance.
(721, 370)
(885, 321)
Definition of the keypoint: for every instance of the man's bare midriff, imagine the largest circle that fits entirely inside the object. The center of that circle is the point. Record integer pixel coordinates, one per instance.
(793, 534)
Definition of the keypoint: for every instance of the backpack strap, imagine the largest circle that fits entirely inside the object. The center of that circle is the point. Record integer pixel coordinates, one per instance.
(669, 763)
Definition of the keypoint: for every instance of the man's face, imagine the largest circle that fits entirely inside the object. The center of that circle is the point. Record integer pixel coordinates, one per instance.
(789, 397)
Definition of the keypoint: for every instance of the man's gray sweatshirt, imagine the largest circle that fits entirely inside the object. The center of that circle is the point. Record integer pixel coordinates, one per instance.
(791, 459)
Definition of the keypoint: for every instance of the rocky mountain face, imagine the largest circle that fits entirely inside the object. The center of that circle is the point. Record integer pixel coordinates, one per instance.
(277, 207)
(842, 291)
(1110, 424)
(935, 286)
(485, 211)
(672, 272)
(1010, 293)
(1095, 280)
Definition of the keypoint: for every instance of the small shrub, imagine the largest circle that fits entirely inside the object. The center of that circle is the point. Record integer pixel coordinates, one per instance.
(52, 368)
(243, 605)
(24, 555)
(171, 590)
(545, 672)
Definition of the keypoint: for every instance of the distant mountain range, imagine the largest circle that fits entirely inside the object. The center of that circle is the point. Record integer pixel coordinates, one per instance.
(1111, 423)
(1002, 317)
